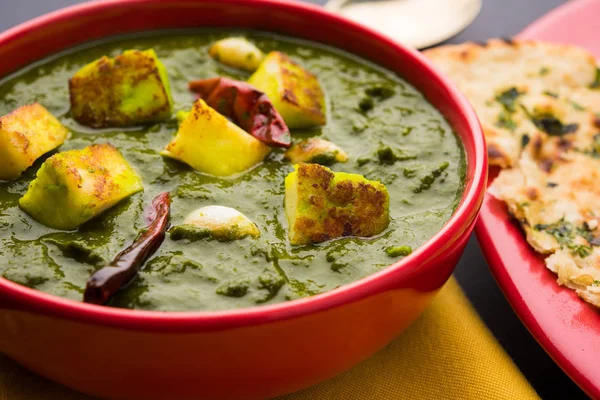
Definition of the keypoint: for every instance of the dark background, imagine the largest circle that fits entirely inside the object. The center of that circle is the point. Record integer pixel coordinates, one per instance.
(498, 18)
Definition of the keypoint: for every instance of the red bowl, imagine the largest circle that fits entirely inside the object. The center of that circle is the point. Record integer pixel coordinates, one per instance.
(257, 352)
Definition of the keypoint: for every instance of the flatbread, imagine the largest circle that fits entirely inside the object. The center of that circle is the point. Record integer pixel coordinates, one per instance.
(541, 119)
(574, 113)
(543, 197)
(579, 274)
(556, 201)
(484, 71)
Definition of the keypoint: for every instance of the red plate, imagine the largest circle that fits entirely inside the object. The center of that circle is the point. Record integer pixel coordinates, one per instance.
(566, 327)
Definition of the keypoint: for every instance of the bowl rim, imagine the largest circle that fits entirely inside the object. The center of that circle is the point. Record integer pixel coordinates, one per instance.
(182, 321)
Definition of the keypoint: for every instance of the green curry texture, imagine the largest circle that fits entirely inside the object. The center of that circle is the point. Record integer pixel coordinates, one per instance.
(389, 130)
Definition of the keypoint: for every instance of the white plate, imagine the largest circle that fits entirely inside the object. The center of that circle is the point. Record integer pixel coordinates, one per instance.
(417, 23)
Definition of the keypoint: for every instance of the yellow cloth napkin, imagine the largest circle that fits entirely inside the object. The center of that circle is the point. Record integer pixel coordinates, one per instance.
(448, 353)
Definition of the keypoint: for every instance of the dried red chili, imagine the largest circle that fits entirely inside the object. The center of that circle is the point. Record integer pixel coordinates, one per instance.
(247, 106)
(108, 280)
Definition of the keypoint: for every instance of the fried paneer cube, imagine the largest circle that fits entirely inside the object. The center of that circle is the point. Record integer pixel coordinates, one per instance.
(295, 92)
(237, 52)
(316, 150)
(321, 205)
(74, 186)
(210, 143)
(130, 89)
(26, 134)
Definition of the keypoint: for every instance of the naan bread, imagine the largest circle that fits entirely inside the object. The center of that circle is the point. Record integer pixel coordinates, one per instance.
(556, 201)
(485, 71)
(580, 123)
(541, 119)
(544, 196)
(579, 274)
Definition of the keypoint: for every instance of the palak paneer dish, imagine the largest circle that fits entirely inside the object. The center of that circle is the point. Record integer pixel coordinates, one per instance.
(214, 169)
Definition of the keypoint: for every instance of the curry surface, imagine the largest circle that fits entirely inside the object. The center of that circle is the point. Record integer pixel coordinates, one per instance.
(213, 275)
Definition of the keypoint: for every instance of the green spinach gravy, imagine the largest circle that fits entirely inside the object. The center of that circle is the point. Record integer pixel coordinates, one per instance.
(391, 133)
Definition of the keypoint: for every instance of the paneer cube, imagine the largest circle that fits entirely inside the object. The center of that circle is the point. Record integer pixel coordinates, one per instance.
(74, 186)
(25, 135)
(316, 150)
(181, 115)
(210, 143)
(321, 205)
(295, 92)
(237, 52)
(130, 89)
